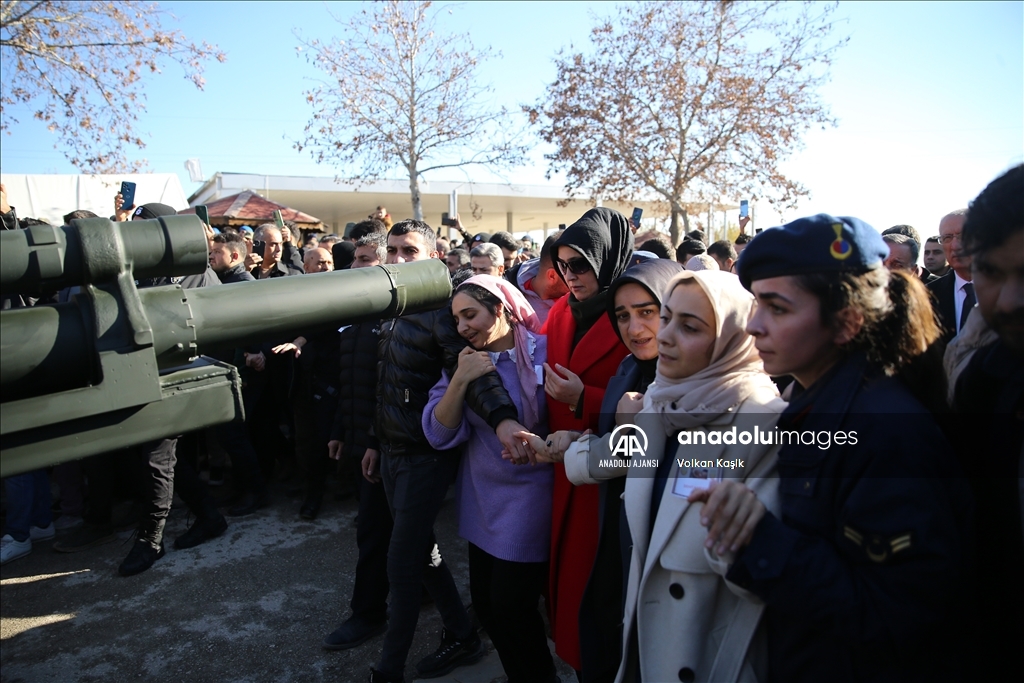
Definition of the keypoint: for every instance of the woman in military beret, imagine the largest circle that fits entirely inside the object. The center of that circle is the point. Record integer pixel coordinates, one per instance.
(864, 569)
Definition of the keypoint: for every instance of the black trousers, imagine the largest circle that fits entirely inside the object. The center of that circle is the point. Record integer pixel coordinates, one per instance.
(156, 462)
(416, 487)
(373, 536)
(505, 596)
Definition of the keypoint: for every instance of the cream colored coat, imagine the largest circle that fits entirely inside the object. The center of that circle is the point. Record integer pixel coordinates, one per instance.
(712, 628)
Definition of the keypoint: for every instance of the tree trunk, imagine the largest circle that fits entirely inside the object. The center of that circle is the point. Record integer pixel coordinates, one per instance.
(673, 228)
(414, 191)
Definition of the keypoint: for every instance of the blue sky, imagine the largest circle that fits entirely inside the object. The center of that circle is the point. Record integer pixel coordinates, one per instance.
(929, 98)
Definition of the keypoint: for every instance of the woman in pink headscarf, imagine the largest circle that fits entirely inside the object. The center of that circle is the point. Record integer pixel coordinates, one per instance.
(504, 510)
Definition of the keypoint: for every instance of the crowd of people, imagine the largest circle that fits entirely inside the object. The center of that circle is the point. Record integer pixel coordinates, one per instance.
(795, 456)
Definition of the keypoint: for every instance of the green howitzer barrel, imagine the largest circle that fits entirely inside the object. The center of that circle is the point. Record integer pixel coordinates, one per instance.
(117, 365)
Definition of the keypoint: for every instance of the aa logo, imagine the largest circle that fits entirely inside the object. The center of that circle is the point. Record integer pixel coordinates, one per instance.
(627, 445)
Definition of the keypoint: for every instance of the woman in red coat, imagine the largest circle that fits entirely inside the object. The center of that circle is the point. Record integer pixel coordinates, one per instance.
(584, 352)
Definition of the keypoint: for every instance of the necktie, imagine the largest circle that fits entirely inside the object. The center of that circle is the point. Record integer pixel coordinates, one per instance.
(969, 302)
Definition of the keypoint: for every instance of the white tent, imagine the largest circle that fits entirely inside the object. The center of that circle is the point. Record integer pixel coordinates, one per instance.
(50, 197)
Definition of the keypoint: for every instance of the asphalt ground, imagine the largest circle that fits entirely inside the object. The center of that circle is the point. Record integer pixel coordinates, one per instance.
(250, 606)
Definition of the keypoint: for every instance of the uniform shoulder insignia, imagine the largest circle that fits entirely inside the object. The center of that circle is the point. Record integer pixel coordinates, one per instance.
(878, 548)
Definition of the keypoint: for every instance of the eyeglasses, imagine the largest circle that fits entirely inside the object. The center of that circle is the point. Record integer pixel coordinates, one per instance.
(946, 239)
(578, 266)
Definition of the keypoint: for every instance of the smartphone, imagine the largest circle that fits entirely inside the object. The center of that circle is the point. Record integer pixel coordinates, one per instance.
(128, 195)
(278, 219)
(445, 220)
(635, 218)
(744, 208)
(203, 214)
(258, 246)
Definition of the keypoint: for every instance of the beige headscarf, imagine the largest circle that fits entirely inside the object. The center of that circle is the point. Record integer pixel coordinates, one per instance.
(735, 373)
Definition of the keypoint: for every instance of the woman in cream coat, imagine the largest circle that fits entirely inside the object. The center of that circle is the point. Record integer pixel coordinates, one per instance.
(682, 620)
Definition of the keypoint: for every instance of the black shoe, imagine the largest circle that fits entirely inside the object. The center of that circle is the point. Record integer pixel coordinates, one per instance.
(141, 558)
(451, 654)
(88, 536)
(311, 506)
(354, 631)
(378, 677)
(249, 504)
(203, 529)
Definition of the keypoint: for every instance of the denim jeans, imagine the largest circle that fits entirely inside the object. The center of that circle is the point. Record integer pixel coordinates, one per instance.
(28, 503)
(416, 486)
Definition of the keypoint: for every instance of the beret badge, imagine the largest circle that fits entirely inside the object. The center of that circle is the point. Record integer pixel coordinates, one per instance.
(840, 248)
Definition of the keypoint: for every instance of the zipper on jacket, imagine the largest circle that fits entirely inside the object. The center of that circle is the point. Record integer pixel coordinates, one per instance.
(406, 395)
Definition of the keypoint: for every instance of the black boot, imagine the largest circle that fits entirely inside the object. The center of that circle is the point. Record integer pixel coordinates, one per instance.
(311, 506)
(210, 525)
(141, 557)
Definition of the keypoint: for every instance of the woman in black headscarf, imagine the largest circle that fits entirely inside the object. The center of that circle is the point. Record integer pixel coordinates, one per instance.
(634, 310)
(584, 352)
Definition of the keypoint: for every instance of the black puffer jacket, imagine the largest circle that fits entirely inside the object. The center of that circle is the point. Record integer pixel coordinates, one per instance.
(357, 390)
(413, 349)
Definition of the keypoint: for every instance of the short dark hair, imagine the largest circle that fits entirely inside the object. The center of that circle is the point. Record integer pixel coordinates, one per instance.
(908, 230)
(28, 222)
(933, 238)
(78, 213)
(995, 214)
(743, 238)
(460, 254)
(687, 248)
(697, 235)
(231, 238)
(505, 240)
(412, 225)
(722, 249)
(657, 246)
(901, 238)
(549, 244)
(363, 228)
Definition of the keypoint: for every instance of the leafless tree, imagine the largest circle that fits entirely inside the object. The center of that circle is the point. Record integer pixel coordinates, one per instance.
(81, 65)
(689, 102)
(400, 93)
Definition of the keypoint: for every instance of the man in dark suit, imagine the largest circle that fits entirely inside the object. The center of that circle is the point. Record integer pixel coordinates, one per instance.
(953, 294)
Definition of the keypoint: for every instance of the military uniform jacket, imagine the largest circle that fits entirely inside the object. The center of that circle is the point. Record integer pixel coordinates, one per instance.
(863, 571)
(412, 351)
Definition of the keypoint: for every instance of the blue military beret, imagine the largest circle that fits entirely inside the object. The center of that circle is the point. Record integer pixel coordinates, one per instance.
(816, 244)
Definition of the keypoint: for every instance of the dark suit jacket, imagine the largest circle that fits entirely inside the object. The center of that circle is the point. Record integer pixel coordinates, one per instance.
(944, 303)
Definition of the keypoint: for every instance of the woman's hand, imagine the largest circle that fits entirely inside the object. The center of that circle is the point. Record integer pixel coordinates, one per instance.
(472, 365)
(567, 390)
(731, 513)
(628, 406)
(554, 447)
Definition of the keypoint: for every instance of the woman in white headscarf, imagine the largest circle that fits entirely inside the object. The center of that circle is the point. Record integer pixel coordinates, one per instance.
(682, 619)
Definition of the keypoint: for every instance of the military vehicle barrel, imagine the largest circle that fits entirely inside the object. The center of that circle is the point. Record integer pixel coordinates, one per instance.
(116, 365)
(47, 258)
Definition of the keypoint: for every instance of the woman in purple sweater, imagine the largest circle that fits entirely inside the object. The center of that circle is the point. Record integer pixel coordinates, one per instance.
(504, 510)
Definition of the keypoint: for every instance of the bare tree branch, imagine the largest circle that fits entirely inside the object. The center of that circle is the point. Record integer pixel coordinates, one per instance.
(399, 93)
(689, 101)
(81, 66)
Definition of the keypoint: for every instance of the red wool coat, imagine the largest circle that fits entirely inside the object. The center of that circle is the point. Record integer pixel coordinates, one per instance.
(574, 519)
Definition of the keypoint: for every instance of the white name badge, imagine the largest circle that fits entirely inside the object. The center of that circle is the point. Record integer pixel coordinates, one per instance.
(699, 478)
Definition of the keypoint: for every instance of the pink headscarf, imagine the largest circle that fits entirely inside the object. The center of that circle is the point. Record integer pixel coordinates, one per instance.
(525, 319)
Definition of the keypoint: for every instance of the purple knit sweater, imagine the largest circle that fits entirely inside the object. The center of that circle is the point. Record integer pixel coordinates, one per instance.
(504, 509)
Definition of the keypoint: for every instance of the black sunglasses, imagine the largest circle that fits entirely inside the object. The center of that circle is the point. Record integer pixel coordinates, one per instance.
(578, 266)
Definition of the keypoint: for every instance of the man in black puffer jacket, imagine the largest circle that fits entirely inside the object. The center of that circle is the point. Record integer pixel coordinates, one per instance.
(413, 349)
